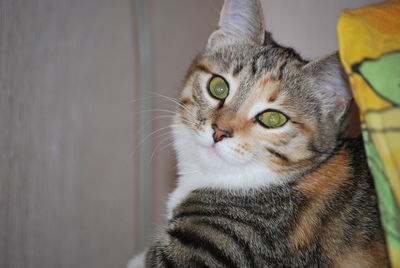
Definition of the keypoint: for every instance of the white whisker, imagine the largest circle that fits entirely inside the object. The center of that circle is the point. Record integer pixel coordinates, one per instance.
(173, 100)
(188, 172)
(149, 122)
(140, 99)
(177, 102)
(150, 134)
(162, 148)
(158, 110)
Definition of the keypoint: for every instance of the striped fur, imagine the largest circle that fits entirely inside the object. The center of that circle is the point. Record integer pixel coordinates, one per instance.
(315, 221)
(299, 195)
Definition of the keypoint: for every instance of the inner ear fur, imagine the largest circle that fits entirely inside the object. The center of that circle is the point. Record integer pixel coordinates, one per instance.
(332, 84)
(240, 21)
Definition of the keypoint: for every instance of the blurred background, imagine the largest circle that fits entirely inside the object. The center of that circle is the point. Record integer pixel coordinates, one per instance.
(85, 157)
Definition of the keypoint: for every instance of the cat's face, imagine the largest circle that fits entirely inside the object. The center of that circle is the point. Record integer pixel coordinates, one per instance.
(251, 105)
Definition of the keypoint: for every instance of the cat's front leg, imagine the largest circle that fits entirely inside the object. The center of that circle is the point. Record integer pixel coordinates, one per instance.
(185, 186)
(139, 261)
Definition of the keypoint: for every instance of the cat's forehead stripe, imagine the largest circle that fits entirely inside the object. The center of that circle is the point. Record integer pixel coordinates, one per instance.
(272, 86)
(200, 64)
(274, 94)
(282, 67)
(202, 67)
(265, 81)
(186, 101)
(237, 69)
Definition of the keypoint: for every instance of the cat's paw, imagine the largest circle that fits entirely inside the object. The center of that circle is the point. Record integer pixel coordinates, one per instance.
(138, 261)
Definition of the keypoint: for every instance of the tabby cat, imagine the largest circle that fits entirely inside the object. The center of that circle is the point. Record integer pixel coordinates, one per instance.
(267, 174)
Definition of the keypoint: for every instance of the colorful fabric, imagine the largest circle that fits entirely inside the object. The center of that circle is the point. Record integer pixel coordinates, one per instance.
(369, 45)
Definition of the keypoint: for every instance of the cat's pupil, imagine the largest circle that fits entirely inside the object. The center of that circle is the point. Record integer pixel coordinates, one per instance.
(273, 119)
(219, 90)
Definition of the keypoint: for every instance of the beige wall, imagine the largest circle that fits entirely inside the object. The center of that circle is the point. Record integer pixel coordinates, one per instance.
(309, 26)
(66, 132)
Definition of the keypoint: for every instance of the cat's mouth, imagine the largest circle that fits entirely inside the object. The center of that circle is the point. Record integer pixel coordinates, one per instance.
(221, 154)
(213, 153)
(213, 150)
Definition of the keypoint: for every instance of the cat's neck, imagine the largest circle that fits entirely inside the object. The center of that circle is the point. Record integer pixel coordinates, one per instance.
(239, 178)
(230, 178)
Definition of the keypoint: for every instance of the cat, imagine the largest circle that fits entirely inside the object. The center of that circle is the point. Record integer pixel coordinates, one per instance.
(268, 176)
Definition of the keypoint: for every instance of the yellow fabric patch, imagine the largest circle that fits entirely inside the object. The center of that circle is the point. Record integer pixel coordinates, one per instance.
(369, 45)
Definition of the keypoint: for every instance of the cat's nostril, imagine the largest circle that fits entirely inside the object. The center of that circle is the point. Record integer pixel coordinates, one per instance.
(220, 133)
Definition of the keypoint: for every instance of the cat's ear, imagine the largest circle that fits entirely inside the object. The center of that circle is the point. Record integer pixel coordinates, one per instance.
(240, 21)
(333, 87)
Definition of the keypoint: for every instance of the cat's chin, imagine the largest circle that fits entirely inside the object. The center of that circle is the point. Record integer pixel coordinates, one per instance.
(218, 156)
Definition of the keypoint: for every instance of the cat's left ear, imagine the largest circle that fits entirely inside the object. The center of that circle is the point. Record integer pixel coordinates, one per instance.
(333, 87)
(240, 21)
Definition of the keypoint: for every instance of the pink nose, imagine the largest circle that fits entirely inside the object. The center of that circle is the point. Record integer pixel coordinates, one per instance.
(219, 133)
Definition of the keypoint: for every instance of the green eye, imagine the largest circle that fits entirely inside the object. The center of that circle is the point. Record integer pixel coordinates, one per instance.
(272, 119)
(218, 88)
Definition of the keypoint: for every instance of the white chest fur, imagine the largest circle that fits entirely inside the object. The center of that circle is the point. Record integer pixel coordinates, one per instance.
(237, 178)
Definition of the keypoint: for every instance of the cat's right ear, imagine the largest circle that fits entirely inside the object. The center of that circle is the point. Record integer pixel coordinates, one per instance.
(240, 21)
(332, 85)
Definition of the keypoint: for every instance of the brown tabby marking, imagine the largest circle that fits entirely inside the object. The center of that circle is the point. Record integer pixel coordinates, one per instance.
(237, 70)
(235, 122)
(274, 95)
(198, 65)
(183, 110)
(319, 186)
(374, 257)
(275, 91)
(271, 86)
(327, 178)
(203, 64)
(203, 68)
(186, 101)
(307, 128)
(264, 82)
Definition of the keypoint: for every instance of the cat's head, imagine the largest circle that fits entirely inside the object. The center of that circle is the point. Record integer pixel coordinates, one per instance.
(253, 112)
